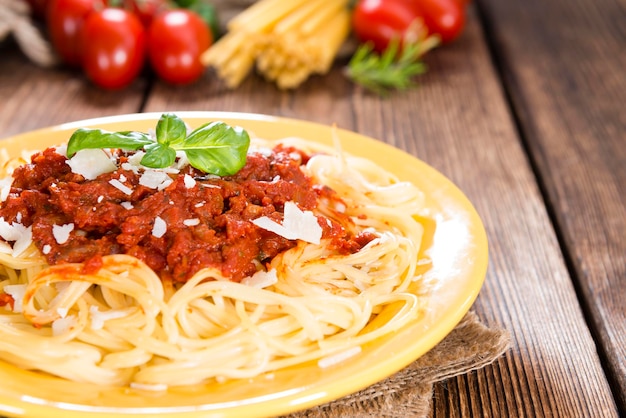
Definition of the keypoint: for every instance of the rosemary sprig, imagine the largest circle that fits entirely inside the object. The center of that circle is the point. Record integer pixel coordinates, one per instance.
(396, 67)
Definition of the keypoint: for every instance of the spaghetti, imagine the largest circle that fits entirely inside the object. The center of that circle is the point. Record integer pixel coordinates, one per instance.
(123, 322)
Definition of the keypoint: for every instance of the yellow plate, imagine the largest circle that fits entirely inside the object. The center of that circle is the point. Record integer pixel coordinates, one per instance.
(456, 244)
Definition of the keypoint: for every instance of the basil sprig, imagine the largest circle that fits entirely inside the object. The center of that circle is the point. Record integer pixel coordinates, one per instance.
(215, 148)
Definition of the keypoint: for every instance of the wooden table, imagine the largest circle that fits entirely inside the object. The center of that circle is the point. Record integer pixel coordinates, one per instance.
(526, 114)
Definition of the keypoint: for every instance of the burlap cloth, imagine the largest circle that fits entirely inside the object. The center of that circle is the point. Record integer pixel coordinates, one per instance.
(408, 393)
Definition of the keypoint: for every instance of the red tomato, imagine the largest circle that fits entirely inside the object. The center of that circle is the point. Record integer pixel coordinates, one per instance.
(65, 19)
(177, 38)
(114, 47)
(443, 17)
(380, 21)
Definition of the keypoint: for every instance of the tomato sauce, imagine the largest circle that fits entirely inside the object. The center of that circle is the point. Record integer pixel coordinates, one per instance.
(207, 218)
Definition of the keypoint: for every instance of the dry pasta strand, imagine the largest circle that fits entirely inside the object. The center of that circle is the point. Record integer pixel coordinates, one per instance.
(288, 41)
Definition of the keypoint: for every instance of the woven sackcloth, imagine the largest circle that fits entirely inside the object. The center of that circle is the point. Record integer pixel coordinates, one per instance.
(408, 393)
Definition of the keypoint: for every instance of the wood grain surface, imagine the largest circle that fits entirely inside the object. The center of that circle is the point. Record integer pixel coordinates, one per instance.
(566, 80)
(33, 97)
(525, 114)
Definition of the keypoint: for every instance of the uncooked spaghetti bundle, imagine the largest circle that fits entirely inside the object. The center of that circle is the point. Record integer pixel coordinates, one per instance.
(287, 41)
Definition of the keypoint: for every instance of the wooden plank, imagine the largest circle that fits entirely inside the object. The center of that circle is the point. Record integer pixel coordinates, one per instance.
(34, 97)
(458, 121)
(257, 96)
(563, 63)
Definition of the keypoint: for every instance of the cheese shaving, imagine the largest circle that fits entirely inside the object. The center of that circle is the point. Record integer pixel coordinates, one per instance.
(155, 179)
(297, 224)
(5, 188)
(159, 228)
(90, 163)
(17, 292)
(21, 235)
(99, 318)
(121, 186)
(261, 279)
(189, 181)
(61, 233)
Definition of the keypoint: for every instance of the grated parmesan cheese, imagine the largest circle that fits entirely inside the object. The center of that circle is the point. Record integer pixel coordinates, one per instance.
(155, 179)
(17, 292)
(21, 235)
(127, 205)
(5, 188)
(121, 186)
(7, 231)
(135, 160)
(189, 181)
(261, 279)
(181, 160)
(159, 228)
(61, 149)
(90, 163)
(297, 224)
(46, 249)
(24, 240)
(61, 233)
(99, 318)
(191, 222)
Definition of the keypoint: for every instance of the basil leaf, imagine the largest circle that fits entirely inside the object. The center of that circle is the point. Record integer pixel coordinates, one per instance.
(158, 156)
(170, 129)
(217, 148)
(84, 138)
(214, 148)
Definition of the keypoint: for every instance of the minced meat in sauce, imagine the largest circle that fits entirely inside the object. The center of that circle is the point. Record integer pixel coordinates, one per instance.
(207, 224)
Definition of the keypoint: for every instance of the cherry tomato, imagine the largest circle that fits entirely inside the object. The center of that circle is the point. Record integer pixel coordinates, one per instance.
(380, 21)
(65, 19)
(114, 47)
(177, 38)
(443, 17)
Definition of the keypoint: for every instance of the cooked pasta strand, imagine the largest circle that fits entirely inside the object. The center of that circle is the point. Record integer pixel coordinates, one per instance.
(123, 325)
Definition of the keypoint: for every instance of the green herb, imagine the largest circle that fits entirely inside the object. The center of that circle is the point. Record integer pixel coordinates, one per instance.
(214, 148)
(394, 69)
